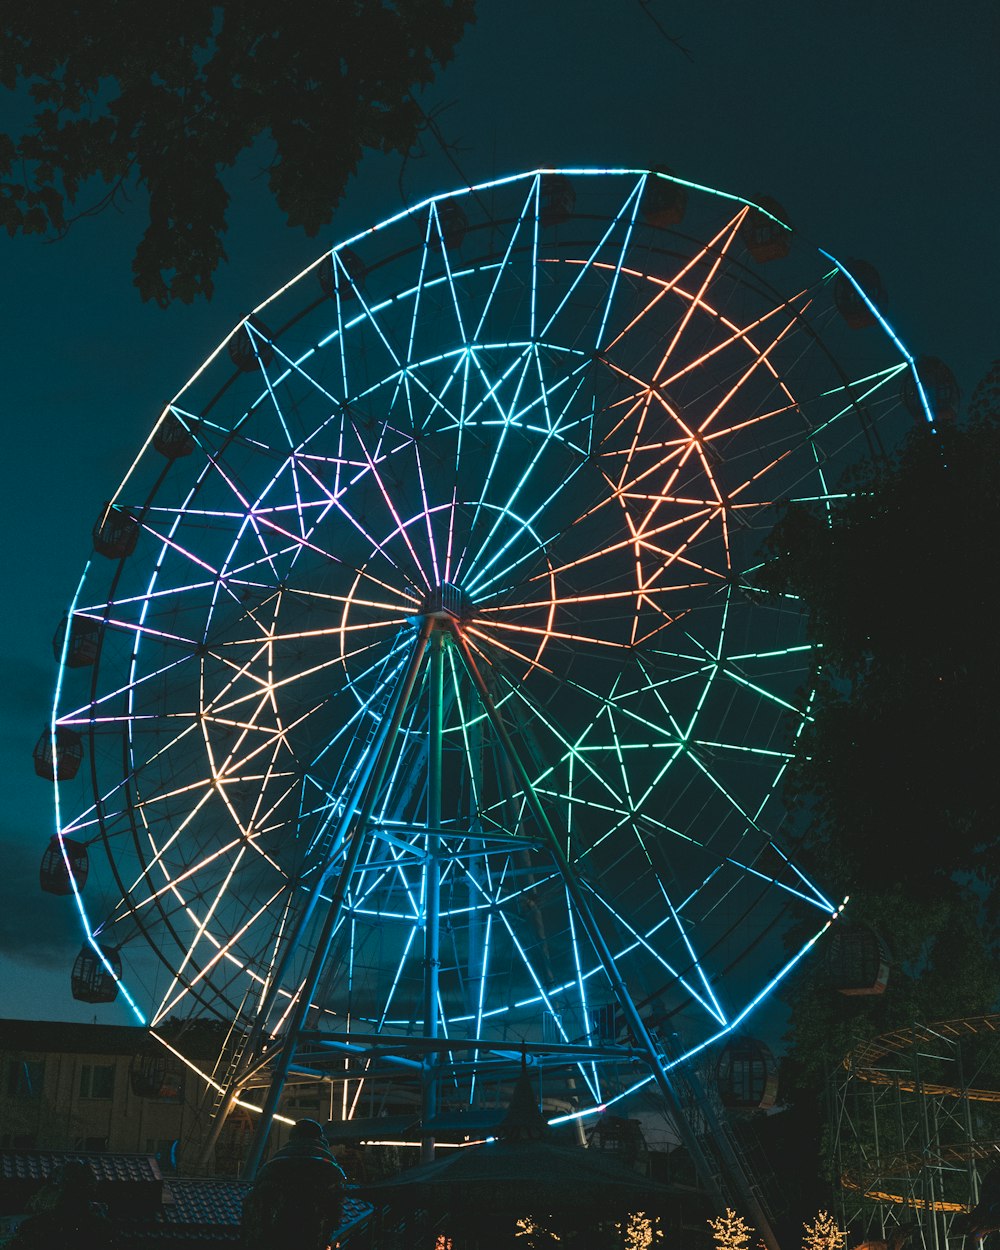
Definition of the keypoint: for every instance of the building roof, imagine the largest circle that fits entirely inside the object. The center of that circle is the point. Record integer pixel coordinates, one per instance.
(180, 1213)
(72, 1039)
(204, 1201)
(202, 1211)
(196, 1038)
(220, 1203)
(117, 1169)
(516, 1175)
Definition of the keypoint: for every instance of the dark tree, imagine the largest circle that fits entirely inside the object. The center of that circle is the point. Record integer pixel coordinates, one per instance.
(167, 98)
(897, 782)
(898, 777)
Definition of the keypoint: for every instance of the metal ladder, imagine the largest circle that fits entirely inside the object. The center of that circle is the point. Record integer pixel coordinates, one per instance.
(235, 1046)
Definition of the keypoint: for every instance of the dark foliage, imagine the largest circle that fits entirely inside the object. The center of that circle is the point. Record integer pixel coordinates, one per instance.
(898, 775)
(896, 783)
(168, 99)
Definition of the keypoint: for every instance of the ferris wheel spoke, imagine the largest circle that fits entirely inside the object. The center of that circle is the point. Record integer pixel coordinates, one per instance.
(726, 792)
(86, 715)
(177, 548)
(370, 320)
(870, 384)
(401, 528)
(429, 513)
(345, 289)
(713, 254)
(621, 222)
(571, 751)
(631, 207)
(526, 219)
(644, 540)
(616, 704)
(289, 369)
(837, 418)
(505, 509)
(400, 967)
(589, 1072)
(683, 931)
(222, 951)
(739, 336)
(432, 228)
(182, 984)
(417, 381)
(704, 998)
(490, 407)
(483, 560)
(99, 612)
(543, 995)
(760, 361)
(455, 303)
(562, 635)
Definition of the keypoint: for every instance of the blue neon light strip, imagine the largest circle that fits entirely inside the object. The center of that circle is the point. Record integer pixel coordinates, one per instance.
(77, 898)
(877, 314)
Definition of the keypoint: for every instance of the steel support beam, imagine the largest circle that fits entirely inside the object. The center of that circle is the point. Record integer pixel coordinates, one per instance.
(737, 1178)
(355, 846)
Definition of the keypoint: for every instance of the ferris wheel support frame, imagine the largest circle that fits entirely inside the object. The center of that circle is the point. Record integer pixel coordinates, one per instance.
(253, 1059)
(434, 626)
(432, 925)
(732, 1169)
(370, 790)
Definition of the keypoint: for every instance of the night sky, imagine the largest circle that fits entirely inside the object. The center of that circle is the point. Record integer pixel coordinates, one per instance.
(874, 125)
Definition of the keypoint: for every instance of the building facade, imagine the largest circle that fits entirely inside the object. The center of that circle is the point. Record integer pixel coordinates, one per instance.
(95, 1088)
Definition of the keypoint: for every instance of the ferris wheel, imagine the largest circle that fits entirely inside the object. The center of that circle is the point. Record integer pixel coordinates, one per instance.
(423, 688)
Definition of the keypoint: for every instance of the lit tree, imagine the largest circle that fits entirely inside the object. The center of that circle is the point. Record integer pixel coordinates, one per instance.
(730, 1231)
(823, 1233)
(638, 1231)
(537, 1235)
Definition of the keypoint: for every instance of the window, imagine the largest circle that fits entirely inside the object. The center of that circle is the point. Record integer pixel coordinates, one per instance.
(97, 1080)
(24, 1078)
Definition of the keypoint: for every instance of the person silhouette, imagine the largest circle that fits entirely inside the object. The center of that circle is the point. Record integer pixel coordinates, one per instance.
(297, 1198)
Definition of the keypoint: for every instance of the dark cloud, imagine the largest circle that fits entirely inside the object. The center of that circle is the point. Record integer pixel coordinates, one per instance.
(25, 687)
(35, 928)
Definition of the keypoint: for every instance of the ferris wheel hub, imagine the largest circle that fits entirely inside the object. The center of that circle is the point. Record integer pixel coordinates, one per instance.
(445, 602)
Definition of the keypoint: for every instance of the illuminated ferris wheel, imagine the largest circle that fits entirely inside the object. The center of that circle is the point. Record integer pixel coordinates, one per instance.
(426, 699)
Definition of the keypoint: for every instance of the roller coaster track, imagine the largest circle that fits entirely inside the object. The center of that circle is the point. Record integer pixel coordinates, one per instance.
(910, 1164)
(866, 1063)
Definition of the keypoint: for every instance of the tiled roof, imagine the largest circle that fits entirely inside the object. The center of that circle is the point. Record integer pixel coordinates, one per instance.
(183, 1212)
(38, 1165)
(209, 1211)
(204, 1201)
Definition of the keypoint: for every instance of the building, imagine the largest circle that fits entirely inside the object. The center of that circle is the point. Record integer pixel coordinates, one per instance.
(97, 1087)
